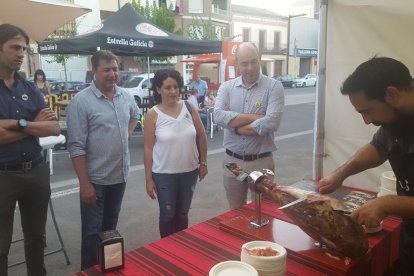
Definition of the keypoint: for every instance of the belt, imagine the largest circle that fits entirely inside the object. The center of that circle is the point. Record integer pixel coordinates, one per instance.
(249, 157)
(24, 167)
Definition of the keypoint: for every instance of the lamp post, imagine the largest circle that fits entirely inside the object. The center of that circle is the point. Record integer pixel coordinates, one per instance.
(288, 40)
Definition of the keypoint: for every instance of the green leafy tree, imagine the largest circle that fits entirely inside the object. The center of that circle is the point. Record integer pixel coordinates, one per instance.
(162, 17)
(68, 31)
(202, 29)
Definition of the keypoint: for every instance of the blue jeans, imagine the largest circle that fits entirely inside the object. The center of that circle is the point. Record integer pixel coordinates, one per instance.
(98, 218)
(174, 193)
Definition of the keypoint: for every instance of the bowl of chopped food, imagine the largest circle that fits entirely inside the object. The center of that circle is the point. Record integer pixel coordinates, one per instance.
(268, 258)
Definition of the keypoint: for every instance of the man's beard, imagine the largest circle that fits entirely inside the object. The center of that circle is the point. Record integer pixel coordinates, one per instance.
(402, 125)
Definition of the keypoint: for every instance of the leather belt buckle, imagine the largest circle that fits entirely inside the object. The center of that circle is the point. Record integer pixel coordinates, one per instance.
(26, 166)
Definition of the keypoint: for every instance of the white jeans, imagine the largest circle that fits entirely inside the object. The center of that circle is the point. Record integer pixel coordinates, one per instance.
(236, 191)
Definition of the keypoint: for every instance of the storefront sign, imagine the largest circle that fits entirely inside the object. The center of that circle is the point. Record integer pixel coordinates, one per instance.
(306, 52)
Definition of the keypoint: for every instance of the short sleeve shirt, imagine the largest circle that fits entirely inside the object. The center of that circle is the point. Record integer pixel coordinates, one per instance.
(22, 101)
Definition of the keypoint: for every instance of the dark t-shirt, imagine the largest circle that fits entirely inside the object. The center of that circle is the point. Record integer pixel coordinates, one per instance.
(22, 101)
(399, 147)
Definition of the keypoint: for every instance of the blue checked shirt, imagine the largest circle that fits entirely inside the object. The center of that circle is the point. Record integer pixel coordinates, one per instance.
(98, 128)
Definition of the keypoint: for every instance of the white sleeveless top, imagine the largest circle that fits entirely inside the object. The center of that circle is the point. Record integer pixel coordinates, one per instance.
(175, 148)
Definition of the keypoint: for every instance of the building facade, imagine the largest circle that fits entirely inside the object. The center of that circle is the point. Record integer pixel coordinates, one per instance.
(267, 30)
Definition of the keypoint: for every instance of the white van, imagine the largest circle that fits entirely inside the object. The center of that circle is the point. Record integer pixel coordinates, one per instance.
(139, 86)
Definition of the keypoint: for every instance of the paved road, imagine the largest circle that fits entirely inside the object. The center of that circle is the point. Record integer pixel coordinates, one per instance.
(138, 222)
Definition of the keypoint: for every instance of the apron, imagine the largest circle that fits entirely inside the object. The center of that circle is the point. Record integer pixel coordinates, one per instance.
(401, 158)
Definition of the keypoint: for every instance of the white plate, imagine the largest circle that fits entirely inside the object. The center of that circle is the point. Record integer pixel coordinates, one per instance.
(233, 268)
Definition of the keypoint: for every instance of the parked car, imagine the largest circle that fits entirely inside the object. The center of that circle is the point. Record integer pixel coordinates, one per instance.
(65, 86)
(286, 80)
(48, 80)
(139, 86)
(308, 80)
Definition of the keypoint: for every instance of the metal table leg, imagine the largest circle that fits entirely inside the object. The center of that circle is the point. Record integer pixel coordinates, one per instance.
(62, 245)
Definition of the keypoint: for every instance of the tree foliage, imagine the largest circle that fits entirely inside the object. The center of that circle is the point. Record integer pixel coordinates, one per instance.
(162, 17)
(68, 31)
(202, 29)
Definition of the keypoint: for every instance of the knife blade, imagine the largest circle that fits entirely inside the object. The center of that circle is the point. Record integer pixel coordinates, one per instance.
(342, 211)
(292, 203)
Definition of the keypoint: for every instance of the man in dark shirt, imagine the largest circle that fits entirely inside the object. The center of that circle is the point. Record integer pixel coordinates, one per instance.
(382, 91)
(24, 177)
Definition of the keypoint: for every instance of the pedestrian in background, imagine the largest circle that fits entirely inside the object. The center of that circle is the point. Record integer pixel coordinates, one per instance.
(24, 176)
(201, 109)
(202, 88)
(100, 120)
(171, 158)
(249, 108)
(40, 82)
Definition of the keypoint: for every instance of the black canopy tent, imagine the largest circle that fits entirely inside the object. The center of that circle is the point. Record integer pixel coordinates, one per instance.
(127, 33)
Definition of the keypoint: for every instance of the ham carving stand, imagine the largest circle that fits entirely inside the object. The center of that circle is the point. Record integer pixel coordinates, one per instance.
(255, 177)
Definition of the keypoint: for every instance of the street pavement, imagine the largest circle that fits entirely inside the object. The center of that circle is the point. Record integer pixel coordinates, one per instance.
(138, 222)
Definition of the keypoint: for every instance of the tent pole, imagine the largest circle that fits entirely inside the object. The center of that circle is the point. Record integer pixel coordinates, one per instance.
(319, 127)
(149, 71)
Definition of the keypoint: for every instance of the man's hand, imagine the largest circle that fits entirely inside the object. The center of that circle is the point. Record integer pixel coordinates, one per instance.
(370, 214)
(329, 184)
(45, 115)
(87, 193)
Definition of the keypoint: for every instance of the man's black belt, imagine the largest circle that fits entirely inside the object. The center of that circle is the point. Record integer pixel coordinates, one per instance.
(24, 167)
(249, 157)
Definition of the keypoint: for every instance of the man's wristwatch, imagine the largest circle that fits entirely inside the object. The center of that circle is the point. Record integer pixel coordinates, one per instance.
(203, 164)
(21, 124)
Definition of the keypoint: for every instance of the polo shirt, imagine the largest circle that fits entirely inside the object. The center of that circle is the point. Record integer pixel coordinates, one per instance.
(22, 101)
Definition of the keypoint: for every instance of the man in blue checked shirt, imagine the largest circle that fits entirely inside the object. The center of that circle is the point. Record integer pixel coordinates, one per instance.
(100, 120)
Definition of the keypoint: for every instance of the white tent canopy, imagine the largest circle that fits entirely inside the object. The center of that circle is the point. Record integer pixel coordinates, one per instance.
(352, 32)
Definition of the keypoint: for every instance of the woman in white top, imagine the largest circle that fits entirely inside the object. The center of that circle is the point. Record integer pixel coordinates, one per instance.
(171, 158)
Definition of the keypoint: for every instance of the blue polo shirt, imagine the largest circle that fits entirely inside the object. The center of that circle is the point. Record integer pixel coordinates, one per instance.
(22, 101)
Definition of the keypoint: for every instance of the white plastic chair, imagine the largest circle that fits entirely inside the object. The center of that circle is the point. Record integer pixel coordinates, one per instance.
(212, 125)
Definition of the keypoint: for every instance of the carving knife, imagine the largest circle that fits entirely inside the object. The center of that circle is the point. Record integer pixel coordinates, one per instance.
(292, 203)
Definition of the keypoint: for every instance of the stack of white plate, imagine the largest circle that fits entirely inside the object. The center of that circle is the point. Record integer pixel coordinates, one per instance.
(388, 184)
(265, 265)
(233, 268)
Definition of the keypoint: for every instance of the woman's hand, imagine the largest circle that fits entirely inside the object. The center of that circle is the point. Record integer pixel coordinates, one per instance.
(202, 171)
(151, 189)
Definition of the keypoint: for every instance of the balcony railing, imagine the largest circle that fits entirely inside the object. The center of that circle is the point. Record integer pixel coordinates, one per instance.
(221, 12)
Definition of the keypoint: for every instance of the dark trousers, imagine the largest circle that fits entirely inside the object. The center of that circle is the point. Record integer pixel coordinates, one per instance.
(32, 192)
(99, 218)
